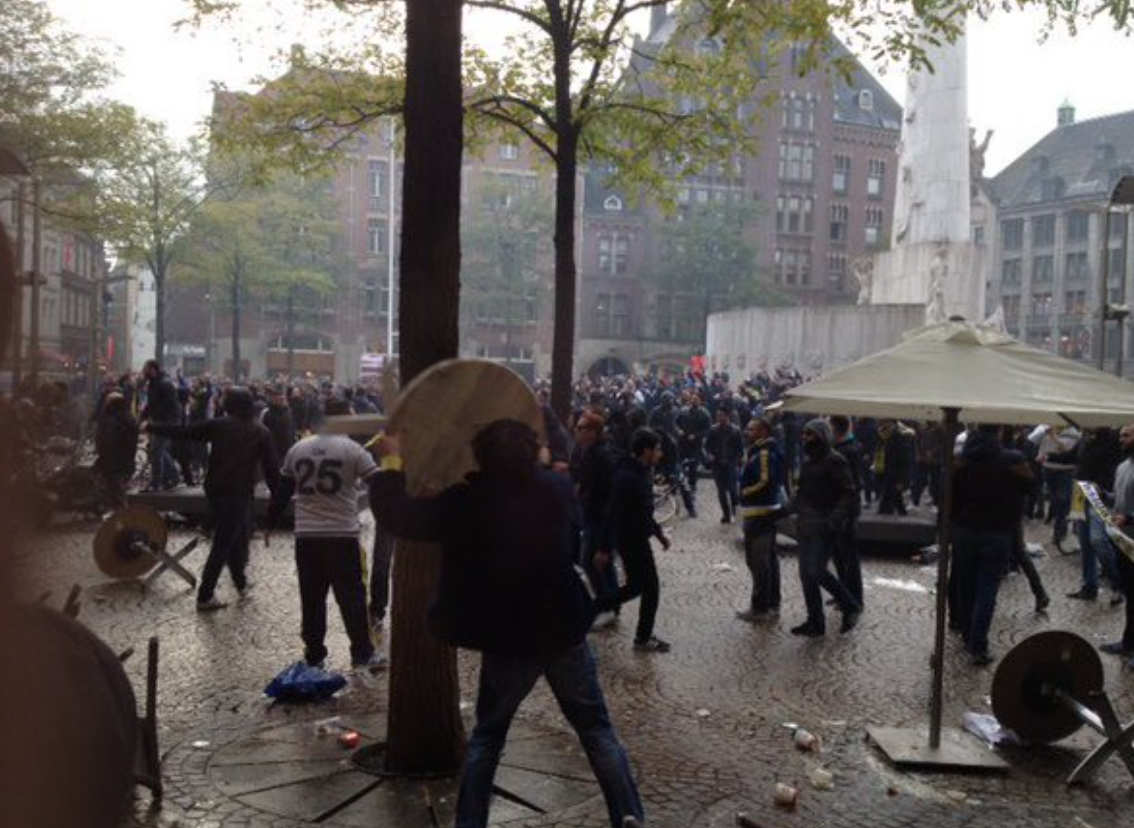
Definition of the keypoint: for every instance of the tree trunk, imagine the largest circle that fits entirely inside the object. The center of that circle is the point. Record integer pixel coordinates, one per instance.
(159, 311)
(237, 324)
(290, 334)
(424, 728)
(566, 168)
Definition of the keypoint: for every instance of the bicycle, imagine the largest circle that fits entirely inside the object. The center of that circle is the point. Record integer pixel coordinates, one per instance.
(667, 497)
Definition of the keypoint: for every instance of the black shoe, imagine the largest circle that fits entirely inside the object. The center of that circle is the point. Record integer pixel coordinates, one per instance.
(726, 519)
(980, 659)
(808, 630)
(850, 620)
(1083, 595)
(1116, 599)
(1043, 602)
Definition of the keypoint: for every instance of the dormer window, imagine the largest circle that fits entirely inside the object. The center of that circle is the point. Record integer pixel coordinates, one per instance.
(866, 99)
(509, 152)
(612, 204)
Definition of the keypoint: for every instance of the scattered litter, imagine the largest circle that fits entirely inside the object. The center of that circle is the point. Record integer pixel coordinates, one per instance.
(786, 796)
(349, 739)
(99, 599)
(898, 583)
(703, 713)
(926, 555)
(201, 745)
(333, 724)
(805, 740)
(723, 567)
(989, 729)
(834, 723)
(1082, 823)
(892, 791)
(299, 682)
(1035, 550)
(743, 820)
(956, 796)
(821, 779)
(465, 705)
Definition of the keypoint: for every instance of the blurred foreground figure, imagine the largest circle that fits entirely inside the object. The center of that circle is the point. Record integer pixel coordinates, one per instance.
(68, 722)
(509, 588)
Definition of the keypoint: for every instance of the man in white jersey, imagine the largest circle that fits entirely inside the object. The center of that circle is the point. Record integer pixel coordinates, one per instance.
(324, 472)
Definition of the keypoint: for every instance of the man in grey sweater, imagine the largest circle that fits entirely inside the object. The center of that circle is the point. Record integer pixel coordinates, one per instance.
(1124, 518)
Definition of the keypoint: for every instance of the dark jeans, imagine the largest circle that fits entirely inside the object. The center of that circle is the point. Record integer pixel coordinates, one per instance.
(1058, 482)
(641, 580)
(1096, 548)
(980, 560)
(728, 493)
(163, 468)
(605, 580)
(505, 681)
(380, 572)
(814, 555)
(1125, 569)
(336, 564)
(231, 518)
(1023, 561)
(763, 559)
(927, 476)
(691, 467)
(848, 565)
(890, 497)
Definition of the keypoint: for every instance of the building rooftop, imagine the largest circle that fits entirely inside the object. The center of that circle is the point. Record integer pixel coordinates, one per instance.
(1074, 162)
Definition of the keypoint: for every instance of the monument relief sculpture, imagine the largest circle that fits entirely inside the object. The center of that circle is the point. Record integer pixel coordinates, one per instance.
(863, 271)
(938, 273)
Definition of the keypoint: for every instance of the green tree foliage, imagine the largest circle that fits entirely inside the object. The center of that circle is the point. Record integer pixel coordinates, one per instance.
(578, 83)
(707, 256)
(279, 240)
(505, 253)
(144, 205)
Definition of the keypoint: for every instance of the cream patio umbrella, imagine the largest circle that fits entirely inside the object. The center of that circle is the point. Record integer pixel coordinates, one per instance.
(944, 372)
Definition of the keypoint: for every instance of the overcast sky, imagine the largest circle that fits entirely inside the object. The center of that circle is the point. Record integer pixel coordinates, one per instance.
(1016, 84)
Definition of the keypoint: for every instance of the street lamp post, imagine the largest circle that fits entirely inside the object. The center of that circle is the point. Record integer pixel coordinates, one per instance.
(1121, 197)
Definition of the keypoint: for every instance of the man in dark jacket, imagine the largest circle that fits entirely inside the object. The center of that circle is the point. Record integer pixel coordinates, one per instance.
(824, 502)
(1099, 456)
(724, 451)
(278, 419)
(989, 487)
(629, 529)
(848, 565)
(239, 445)
(693, 425)
(761, 490)
(161, 408)
(592, 471)
(508, 587)
(891, 465)
(116, 446)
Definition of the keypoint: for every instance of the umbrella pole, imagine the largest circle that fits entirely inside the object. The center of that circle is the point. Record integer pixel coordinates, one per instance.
(944, 549)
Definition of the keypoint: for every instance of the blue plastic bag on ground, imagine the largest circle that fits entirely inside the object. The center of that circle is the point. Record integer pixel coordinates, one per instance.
(299, 682)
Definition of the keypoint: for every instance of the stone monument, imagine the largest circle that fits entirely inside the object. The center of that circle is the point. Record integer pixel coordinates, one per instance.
(932, 261)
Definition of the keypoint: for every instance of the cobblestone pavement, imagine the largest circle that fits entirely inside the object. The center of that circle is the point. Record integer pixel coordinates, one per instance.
(703, 723)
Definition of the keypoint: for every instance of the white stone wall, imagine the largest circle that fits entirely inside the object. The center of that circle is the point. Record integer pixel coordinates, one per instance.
(813, 339)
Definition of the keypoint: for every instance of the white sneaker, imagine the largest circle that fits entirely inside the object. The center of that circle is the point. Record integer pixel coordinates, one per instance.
(604, 620)
(376, 662)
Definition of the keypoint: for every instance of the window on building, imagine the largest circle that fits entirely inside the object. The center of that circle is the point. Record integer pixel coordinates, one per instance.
(370, 297)
(1116, 261)
(509, 152)
(875, 176)
(793, 267)
(794, 214)
(1041, 304)
(1043, 231)
(840, 217)
(1117, 226)
(375, 236)
(377, 180)
(797, 162)
(1011, 272)
(1011, 306)
(840, 178)
(866, 99)
(1043, 270)
(1012, 234)
(614, 253)
(798, 112)
(837, 271)
(1078, 226)
(1075, 301)
(612, 314)
(612, 204)
(874, 221)
(1076, 268)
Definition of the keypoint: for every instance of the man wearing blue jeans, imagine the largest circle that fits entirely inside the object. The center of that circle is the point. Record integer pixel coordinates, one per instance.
(509, 588)
(989, 487)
